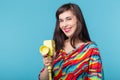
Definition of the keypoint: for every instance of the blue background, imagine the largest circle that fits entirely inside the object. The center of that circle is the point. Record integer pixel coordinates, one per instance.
(24, 24)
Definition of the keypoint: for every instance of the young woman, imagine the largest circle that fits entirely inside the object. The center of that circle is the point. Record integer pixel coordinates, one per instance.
(76, 56)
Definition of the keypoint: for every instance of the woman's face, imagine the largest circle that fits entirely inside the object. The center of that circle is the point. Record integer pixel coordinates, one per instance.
(68, 23)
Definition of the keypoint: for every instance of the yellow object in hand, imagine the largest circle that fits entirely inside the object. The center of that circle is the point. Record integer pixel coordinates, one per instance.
(44, 50)
(48, 47)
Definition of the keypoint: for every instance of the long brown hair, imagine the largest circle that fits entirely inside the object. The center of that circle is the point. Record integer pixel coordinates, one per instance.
(81, 32)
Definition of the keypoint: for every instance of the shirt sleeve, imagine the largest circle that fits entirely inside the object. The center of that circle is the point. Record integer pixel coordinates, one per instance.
(95, 66)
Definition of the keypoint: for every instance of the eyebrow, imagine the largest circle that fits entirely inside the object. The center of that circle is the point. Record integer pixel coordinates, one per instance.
(65, 17)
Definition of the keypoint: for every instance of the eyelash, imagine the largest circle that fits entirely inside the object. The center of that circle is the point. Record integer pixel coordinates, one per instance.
(66, 19)
(60, 20)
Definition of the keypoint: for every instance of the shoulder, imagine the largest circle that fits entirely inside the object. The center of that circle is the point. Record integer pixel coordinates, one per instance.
(92, 48)
(91, 45)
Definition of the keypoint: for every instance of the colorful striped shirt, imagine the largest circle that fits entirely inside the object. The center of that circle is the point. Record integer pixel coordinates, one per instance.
(82, 63)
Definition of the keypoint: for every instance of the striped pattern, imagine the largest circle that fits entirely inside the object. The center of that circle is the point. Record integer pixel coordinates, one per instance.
(83, 63)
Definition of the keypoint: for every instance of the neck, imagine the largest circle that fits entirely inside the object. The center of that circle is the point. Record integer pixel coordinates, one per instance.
(77, 42)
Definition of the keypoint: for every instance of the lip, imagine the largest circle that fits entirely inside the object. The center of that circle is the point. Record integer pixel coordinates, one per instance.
(67, 29)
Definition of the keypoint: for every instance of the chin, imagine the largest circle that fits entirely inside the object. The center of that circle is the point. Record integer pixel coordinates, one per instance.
(68, 36)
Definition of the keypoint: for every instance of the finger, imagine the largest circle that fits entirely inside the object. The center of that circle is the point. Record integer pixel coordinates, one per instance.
(47, 64)
(48, 60)
(45, 56)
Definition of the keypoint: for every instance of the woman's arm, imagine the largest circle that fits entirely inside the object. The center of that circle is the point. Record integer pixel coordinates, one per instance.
(95, 66)
(44, 74)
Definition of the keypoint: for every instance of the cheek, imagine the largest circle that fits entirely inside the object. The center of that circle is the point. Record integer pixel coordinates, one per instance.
(75, 24)
(60, 26)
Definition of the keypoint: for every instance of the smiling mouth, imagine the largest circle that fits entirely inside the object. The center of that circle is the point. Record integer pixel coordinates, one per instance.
(67, 29)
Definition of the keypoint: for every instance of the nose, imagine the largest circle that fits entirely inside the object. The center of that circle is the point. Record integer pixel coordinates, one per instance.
(65, 23)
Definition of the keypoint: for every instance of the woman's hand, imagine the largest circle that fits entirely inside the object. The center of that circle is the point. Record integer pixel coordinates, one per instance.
(47, 60)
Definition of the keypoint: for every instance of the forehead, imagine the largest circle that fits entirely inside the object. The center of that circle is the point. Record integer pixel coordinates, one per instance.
(65, 14)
